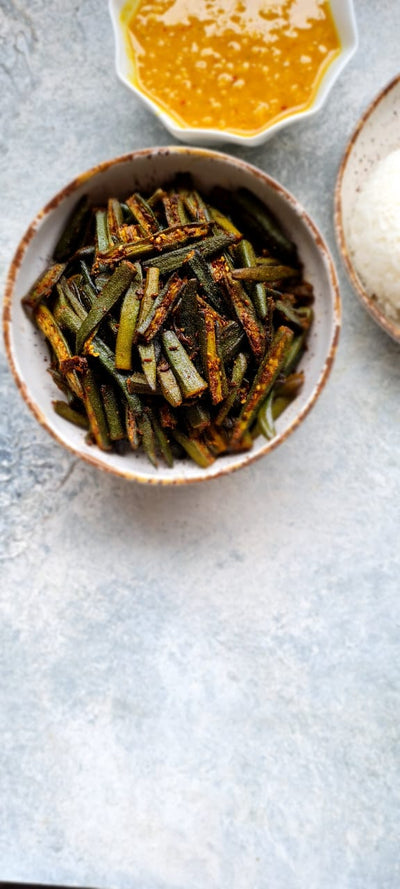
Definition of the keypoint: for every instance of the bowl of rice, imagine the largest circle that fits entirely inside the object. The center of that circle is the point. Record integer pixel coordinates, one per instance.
(367, 209)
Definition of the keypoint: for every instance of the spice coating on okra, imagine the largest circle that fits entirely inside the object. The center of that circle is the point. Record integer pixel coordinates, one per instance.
(175, 322)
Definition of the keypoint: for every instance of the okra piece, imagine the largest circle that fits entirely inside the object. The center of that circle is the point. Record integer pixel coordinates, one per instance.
(232, 338)
(65, 316)
(198, 265)
(133, 251)
(149, 364)
(74, 231)
(256, 218)
(162, 306)
(291, 385)
(137, 382)
(238, 371)
(267, 373)
(246, 315)
(211, 360)
(265, 419)
(95, 411)
(115, 219)
(155, 199)
(246, 254)
(194, 202)
(111, 409)
(143, 214)
(264, 273)
(127, 325)
(47, 324)
(197, 417)
(43, 285)
(174, 209)
(70, 295)
(162, 441)
(190, 381)
(99, 350)
(113, 290)
(291, 315)
(132, 429)
(180, 234)
(88, 279)
(216, 440)
(148, 439)
(223, 221)
(294, 353)
(149, 295)
(174, 260)
(188, 313)
(103, 239)
(195, 448)
(68, 413)
(168, 384)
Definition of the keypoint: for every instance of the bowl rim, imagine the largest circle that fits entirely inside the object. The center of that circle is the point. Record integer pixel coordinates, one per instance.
(387, 324)
(242, 460)
(211, 136)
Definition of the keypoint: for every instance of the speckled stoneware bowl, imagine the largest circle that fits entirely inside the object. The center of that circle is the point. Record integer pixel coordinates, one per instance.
(145, 170)
(375, 136)
(343, 14)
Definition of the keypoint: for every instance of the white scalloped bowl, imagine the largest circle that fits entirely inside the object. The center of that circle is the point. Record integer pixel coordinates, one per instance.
(343, 14)
(145, 170)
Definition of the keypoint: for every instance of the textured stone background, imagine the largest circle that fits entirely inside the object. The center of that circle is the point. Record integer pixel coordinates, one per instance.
(199, 687)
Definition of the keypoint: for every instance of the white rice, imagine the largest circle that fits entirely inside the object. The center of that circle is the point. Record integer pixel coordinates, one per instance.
(374, 234)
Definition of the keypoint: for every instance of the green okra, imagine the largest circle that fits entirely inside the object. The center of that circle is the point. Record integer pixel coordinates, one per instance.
(210, 357)
(190, 381)
(63, 409)
(246, 315)
(162, 440)
(267, 373)
(245, 254)
(232, 338)
(127, 326)
(111, 410)
(43, 285)
(168, 384)
(175, 259)
(148, 438)
(143, 214)
(174, 209)
(113, 290)
(148, 360)
(240, 365)
(95, 411)
(49, 327)
(196, 449)
(151, 289)
(198, 265)
(115, 218)
(197, 417)
(99, 350)
(161, 308)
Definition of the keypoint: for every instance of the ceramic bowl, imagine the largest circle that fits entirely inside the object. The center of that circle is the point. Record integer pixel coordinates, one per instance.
(344, 17)
(145, 170)
(375, 136)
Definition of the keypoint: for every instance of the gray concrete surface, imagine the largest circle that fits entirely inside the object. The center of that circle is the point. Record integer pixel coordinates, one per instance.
(200, 687)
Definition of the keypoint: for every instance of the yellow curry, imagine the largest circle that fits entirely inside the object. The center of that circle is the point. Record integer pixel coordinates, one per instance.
(235, 65)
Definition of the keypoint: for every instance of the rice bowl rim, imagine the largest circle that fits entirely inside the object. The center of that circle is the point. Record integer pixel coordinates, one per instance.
(387, 324)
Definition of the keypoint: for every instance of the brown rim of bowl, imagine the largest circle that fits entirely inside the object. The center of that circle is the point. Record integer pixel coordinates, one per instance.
(69, 189)
(368, 302)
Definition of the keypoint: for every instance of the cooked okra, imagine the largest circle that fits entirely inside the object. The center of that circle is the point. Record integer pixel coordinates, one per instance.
(175, 322)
